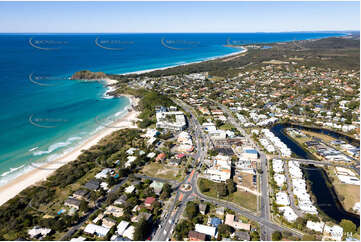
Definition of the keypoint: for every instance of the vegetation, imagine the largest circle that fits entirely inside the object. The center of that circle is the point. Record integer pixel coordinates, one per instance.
(17, 216)
(182, 229)
(244, 199)
(276, 236)
(348, 226)
(192, 210)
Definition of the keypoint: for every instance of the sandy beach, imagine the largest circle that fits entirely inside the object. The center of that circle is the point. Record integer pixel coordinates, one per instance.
(244, 50)
(40, 173)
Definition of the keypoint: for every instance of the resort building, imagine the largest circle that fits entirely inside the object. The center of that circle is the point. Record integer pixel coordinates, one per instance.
(299, 188)
(282, 198)
(174, 120)
(280, 179)
(221, 169)
(316, 226)
(277, 165)
(288, 213)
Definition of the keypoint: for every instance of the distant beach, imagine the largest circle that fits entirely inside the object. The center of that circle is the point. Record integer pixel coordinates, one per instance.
(77, 102)
(244, 49)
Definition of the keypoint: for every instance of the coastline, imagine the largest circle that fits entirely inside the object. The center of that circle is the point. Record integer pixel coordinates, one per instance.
(13, 187)
(38, 174)
(244, 50)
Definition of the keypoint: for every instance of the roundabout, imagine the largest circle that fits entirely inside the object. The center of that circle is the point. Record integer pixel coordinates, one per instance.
(186, 187)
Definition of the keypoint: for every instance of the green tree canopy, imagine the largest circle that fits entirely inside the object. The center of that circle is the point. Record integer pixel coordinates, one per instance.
(276, 236)
(348, 226)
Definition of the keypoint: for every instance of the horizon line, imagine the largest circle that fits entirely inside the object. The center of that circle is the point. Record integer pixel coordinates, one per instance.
(292, 31)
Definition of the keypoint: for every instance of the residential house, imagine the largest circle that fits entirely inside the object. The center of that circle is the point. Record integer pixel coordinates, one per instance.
(196, 236)
(97, 230)
(157, 187)
(149, 202)
(115, 211)
(38, 232)
(208, 230)
(92, 185)
(81, 194)
(108, 222)
(72, 202)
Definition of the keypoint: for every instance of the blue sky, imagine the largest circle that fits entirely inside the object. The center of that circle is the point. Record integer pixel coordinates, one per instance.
(141, 17)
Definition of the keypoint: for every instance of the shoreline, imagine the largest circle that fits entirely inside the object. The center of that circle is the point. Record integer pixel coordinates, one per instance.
(39, 174)
(244, 50)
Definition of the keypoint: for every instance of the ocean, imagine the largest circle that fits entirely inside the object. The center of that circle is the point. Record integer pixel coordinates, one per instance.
(44, 114)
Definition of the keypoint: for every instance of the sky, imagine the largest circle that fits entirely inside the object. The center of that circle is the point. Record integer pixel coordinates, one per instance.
(164, 17)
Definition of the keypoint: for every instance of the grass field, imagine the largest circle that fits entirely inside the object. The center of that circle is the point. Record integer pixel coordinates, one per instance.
(161, 171)
(242, 198)
(351, 193)
(324, 137)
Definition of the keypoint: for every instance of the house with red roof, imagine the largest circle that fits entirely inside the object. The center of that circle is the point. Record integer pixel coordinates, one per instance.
(149, 201)
(160, 157)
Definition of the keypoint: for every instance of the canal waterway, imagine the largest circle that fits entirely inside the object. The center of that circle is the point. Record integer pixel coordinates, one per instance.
(327, 200)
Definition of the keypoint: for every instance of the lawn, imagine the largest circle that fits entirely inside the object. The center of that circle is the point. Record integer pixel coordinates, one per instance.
(241, 198)
(324, 137)
(159, 170)
(351, 193)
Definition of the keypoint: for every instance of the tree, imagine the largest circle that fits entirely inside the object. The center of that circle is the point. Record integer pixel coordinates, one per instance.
(309, 237)
(255, 236)
(203, 186)
(141, 230)
(167, 190)
(83, 206)
(225, 230)
(348, 226)
(276, 236)
(191, 210)
(182, 229)
(221, 189)
(231, 186)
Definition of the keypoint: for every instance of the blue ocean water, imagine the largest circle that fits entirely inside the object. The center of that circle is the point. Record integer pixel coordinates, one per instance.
(44, 114)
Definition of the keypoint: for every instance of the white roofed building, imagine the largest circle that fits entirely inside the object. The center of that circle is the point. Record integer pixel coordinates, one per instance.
(208, 230)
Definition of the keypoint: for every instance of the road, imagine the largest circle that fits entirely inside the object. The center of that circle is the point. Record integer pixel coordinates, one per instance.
(166, 228)
(298, 211)
(323, 163)
(98, 203)
(266, 230)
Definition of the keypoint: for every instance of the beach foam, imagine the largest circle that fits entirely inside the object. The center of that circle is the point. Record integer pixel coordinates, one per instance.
(56, 146)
